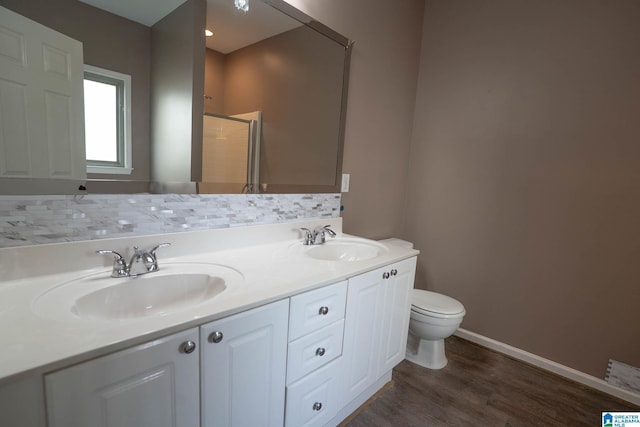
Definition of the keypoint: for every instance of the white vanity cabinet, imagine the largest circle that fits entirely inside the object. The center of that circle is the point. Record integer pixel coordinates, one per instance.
(376, 324)
(150, 385)
(244, 366)
(316, 326)
(308, 360)
(235, 366)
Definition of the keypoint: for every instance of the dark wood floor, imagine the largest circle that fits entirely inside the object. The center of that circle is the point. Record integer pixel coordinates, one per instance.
(480, 387)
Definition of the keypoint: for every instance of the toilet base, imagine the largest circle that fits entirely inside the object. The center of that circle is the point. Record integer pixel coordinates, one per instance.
(426, 353)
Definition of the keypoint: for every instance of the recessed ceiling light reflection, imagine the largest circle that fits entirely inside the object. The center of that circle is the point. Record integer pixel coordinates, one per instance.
(242, 5)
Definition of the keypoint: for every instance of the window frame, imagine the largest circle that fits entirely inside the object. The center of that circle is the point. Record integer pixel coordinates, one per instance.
(123, 166)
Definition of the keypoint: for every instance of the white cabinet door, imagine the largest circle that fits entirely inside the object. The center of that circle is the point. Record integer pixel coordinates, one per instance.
(395, 314)
(376, 325)
(244, 360)
(41, 101)
(150, 385)
(363, 323)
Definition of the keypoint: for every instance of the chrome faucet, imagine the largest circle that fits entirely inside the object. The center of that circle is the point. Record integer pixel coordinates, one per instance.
(322, 232)
(311, 237)
(308, 236)
(119, 264)
(142, 262)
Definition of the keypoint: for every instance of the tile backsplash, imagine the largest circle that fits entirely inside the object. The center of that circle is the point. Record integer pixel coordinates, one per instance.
(31, 220)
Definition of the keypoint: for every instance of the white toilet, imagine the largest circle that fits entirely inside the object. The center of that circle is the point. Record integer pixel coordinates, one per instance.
(434, 317)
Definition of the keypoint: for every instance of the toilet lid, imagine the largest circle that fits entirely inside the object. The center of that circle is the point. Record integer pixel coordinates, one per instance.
(427, 302)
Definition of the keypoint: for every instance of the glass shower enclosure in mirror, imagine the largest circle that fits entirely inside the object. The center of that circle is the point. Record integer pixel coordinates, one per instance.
(230, 153)
(273, 59)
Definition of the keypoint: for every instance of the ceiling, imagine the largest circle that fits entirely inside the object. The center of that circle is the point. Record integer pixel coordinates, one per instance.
(146, 12)
(233, 29)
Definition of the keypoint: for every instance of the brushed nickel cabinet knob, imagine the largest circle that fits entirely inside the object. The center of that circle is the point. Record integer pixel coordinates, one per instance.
(188, 347)
(216, 337)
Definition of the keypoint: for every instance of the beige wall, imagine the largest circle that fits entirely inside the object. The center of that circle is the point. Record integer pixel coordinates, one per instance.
(382, 90)
(524, 190)
(214, 82)
(300, 120)
(177, 87)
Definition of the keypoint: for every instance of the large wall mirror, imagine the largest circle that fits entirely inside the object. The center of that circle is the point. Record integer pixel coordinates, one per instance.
(259, 106)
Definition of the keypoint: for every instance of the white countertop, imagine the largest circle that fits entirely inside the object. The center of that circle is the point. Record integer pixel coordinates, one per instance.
(270, 259)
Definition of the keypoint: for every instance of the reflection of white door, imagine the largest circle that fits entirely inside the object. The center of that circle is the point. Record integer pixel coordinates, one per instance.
(41, 101)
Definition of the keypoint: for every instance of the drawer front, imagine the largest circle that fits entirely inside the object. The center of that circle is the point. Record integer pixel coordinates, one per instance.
(315, 309)
(314, 350)
(312, 401)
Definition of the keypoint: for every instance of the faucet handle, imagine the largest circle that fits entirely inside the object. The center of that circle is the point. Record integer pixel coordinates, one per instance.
(119, 264)
(161, 245)
(152, 261)
(321, 231)
(327, 229)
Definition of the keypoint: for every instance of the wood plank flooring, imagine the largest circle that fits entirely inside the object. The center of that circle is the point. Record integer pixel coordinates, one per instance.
(480, 387)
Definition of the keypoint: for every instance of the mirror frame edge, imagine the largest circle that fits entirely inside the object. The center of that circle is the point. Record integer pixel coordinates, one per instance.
(347, 44)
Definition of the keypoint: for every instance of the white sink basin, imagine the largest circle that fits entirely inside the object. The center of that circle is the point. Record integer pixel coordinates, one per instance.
(173, 288)
(346, 250)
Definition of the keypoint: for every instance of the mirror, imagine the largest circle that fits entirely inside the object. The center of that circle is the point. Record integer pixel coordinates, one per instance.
(294, 72)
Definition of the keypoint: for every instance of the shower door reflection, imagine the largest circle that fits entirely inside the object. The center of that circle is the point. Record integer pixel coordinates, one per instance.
(230, 153)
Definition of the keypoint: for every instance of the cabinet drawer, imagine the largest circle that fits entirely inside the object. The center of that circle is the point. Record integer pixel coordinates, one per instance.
(312, 401)
(314, 350)
(315, 309)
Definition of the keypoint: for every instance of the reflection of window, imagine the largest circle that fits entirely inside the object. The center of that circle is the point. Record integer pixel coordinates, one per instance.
(107, 121)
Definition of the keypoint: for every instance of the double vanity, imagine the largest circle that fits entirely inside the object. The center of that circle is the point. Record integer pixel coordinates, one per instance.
(238, 327)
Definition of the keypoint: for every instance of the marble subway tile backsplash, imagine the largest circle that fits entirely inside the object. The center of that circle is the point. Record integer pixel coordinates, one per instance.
(32, 220)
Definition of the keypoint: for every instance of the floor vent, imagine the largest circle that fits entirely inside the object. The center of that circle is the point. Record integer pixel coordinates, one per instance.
(624, 376)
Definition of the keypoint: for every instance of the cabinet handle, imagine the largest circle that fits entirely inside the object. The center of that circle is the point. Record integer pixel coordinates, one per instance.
(385, 275)
(394, 272)
(320, 351)
(216, 337)
(188, 347)
(317, 406)
(323, 311)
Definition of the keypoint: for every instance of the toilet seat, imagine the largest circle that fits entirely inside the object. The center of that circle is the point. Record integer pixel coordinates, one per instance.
(436, 305)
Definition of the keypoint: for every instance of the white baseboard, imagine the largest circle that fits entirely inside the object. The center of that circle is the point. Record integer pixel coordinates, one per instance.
(550, 365)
